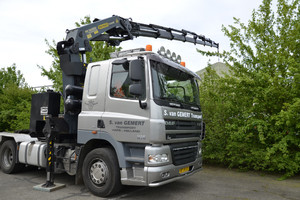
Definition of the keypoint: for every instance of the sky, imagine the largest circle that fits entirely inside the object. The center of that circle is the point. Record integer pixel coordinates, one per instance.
(25, 24)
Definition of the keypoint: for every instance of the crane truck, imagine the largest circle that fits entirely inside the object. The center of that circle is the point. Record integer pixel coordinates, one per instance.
(134, 119)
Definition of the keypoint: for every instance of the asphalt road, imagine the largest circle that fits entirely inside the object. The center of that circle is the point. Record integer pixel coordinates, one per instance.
(211, 183)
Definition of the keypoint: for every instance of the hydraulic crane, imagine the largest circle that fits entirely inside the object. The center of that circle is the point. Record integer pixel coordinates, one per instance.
(113, 30)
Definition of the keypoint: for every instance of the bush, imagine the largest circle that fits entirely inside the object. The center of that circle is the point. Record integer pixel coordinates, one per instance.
(253, 113)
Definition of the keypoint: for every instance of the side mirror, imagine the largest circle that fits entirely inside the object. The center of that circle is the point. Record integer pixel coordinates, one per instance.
(136, 70)
(136, 89)
(137, 75)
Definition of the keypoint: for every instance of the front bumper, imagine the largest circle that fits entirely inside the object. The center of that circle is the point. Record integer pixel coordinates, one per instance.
(155, 175)
(160, 175)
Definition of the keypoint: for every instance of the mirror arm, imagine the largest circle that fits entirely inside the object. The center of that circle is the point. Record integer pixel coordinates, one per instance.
(143, 105)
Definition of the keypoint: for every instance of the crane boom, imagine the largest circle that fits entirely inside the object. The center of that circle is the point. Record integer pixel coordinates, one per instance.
(112, 30)
(156, 31)
(117, 29)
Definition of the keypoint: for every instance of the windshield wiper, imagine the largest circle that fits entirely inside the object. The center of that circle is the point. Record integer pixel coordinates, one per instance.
(192, 106)
(195, 107)
(177, 105)
(173, 102)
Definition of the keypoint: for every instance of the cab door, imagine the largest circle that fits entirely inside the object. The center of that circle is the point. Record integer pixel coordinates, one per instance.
(93, 101)
(123, 117)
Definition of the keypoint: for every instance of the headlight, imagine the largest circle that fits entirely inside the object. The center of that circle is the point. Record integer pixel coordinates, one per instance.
(158, 158)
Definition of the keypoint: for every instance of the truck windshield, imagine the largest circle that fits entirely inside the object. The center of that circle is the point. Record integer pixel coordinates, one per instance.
(173, 87)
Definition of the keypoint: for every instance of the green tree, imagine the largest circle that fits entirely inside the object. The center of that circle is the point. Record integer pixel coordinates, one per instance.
(15, 98)
(257, 125)
(101, 51)
(10, 75)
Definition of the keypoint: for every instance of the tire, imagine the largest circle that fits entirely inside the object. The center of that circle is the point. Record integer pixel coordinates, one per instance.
(8, 158)
(101, 172)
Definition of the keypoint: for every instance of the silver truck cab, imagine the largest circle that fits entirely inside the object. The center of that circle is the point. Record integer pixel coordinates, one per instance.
(156, 135)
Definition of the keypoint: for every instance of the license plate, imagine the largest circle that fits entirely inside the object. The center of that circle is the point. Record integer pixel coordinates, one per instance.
(186, 169)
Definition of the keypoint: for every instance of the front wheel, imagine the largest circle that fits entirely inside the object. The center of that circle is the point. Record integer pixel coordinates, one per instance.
(101, 172)
(8, 157)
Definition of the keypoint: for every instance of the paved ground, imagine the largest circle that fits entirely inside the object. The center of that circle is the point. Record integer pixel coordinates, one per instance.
(211, 183)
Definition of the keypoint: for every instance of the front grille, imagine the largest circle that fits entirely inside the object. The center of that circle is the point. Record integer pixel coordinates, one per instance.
(182, 135)
(182, 125)
(179, 129)
(184, 153)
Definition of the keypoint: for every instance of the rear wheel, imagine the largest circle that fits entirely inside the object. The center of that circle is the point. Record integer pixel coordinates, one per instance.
(8, 157)
(101, 172)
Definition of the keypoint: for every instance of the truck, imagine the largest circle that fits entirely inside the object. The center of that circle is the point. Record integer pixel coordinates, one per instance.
(134, 119)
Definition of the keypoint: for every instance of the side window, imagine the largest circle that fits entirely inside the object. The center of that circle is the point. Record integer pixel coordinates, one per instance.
(94, 78)
(120, 82)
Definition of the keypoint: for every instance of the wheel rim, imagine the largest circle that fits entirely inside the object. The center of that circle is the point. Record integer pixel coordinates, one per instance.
(8, 157)
(99, 172)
